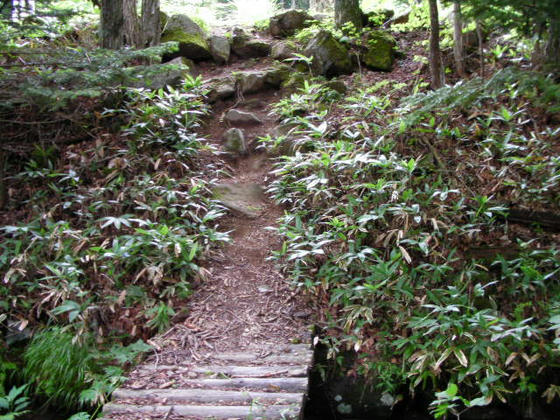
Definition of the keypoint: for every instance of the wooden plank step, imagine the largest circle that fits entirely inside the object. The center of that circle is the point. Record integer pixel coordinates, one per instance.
(215, 412)
(261, 384)
(235, 371)
(208, 396)
(297, 357)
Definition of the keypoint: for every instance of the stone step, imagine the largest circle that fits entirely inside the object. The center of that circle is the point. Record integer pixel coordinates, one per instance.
(208, 396)
(288, 371)
(209, 411)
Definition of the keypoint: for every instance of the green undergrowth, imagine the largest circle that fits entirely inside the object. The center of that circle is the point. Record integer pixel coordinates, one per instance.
(105, 246)
(397, 226)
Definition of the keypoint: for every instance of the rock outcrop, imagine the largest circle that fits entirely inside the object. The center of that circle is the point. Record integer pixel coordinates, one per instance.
(244, 46)
(189, 35)
(287, 23)
(235, 141)
(330, 57)
(237, 117)
(380, 52)
(220, 49)
(282, 50)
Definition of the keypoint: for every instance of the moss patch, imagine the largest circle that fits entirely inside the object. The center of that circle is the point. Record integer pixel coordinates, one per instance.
(380, 51)
(192, 46)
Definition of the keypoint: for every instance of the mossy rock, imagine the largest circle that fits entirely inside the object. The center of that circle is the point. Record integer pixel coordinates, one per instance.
(282, 50)
(163, 19)
(330, 57)
(244, 199)
(287, 23)
(278, 75)
(244, 46)
(189, 35)
(377, 17)
(380, 53)
(295, 81)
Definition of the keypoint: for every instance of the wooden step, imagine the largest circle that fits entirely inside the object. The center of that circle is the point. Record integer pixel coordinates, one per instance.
(289, 371)
(207, 411)
(208, 396)
(235, 385)
(297, 354)
(261, 384)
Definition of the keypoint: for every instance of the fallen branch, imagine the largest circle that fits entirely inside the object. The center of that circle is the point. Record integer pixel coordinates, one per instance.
(529, 217)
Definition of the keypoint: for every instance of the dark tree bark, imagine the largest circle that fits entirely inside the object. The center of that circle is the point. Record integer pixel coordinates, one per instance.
(112, 24)
(151, 31)
(347, 11)
(131, 30)
(21, 9)
(458, 48)
(3, 192)
(436, 65)
(480, 37)
(552, 47)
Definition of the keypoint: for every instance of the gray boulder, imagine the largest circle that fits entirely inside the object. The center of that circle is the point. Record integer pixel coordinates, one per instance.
(257, 81)
(237, 117)
(221, 89)
(190, 36)
(172, 73)
(244, 46)
(235, 141)
(220, 48)
(287, 23)
(282, 50)
(251, 81)
(247, 200)
(380, 53)
(330, 57)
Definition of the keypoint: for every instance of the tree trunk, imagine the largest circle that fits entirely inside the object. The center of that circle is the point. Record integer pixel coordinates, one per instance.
(480, 37)
(3, 192)
(112, 24)
(458, 48)
(151, 31)
(552, 48)
(22, 9)
(347, 11)
(436, 65)
(131, 24)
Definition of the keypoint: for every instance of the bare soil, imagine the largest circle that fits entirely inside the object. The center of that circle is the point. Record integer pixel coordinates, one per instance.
(244, 303)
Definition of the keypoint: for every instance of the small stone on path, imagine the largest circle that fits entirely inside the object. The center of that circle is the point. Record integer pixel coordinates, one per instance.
(235, 116)
(235, 141)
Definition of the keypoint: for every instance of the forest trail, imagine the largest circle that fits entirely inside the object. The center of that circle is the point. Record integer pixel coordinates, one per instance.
(242, 349)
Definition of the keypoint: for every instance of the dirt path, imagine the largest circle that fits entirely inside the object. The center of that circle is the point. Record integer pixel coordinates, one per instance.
(245, 306)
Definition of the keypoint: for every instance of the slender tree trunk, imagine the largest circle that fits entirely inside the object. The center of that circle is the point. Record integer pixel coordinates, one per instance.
(347, 11)
(552, 47)
(480, 37)
(3, 193)
(112, 24)
(458, 47)
(131, 24)
(436, 65)
(151, 31)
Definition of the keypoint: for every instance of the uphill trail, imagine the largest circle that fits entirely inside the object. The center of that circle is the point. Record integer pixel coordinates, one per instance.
(243, 348)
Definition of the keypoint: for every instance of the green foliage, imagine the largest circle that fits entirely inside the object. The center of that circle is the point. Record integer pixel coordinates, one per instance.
(383, 233)
(115, 227)
(14, 404)
(66, 370)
